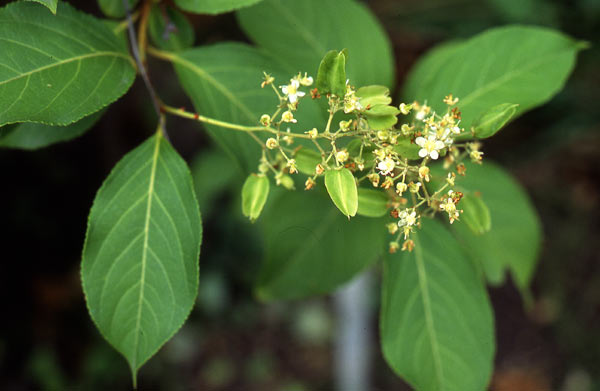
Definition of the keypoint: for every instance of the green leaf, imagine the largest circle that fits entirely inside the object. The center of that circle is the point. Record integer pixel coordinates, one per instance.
(476, 214)
(254, 195)
(307, 160)
(374, 95)
(341, 187)
(407, 149)
(494, 119)
(313, 249)
(223, 82)
(74, 67)
(299, 33)
(50, 4)
(140, 260)
(115, 8)
(514, 240)
(519, 64)
(381, 117)
(169, 29)
(436, 320)
(331, 76)
(30, 135)
(372, 203)
(213, 6)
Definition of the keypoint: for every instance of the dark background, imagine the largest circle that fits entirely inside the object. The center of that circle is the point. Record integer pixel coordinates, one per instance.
(231, 342)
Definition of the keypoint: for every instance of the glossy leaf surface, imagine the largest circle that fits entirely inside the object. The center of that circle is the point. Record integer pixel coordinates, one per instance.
(299, 33)
(140, 260)
(57, 69)
(436, 320)
(518, 64)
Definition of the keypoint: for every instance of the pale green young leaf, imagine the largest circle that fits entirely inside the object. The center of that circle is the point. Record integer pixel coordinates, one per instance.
(140, 260)
(299, 33)
(313, 249)
(115, 8)
(331, 76)
(213, 6)
(476, 214)
(31, 135)
(514, 240)
(372, 203)
(523, 65)
(50, 4)
(169, 29)
(492, 120)
(254, 195)
(57, 69)
(436, 321)
(223, 81)
(341, 187)
(381, 117)
(373, 95)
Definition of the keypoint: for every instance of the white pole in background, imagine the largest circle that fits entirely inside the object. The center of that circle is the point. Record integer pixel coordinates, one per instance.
(354, 334)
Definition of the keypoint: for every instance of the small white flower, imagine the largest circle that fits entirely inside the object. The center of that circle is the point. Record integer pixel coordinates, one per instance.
(456, 130)
(291, 91)
(287, 116)
(386, 166)
(429, 146)
(306, 80)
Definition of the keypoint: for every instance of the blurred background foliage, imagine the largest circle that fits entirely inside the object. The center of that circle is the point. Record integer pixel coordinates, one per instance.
(232, 342)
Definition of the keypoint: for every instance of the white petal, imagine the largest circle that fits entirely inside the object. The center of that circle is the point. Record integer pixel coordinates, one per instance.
(423, 152)
(439, 145)
(420, 141)
(292, 98)
(434, 155)
(284, 89)
(300, 94)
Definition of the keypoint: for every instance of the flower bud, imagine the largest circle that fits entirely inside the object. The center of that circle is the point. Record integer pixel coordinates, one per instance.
(424, 173)
(271, 143)
(401, 187)
(265, 119)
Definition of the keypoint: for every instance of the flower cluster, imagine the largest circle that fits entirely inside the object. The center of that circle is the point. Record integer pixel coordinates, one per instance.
(391, 147)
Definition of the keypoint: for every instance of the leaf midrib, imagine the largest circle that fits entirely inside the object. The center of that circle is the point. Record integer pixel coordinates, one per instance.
(429, 323)
(507, 77)
(145, 251)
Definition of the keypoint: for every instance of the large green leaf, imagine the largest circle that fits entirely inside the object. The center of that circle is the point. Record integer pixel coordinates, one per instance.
(140, 260)
(341, 186)
(311, 248)
(213, 6)
(436, 320)
(31, 135)
(517, 64)
(514, 240)
(223, 82)
(50, 4)
(299, 33)
(57, 69)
